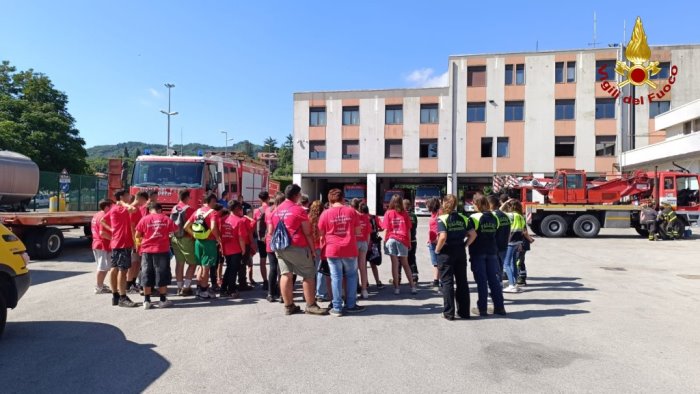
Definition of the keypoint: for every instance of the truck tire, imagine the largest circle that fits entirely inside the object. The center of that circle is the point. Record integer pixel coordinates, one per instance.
(3, 313)
(586, 226)
(536, 229)
(554, 226)
(642, 231)
(50, 241)
(29, 238)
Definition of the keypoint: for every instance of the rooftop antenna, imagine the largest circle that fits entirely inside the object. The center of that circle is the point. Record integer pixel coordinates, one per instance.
(595, 35)
(537, 46)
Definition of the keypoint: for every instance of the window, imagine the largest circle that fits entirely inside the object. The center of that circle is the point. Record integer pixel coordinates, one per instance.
(663, 74)
(476, 76)
(570, 71)
(605, 145)
(509, 74)
(564, 146)
(687, 128)
(564, 109)
(351, 149)
(605, 108)
(317, 116)
(394, 114)
(514, 111)
(658, 107)
(476, 112)
(393, 149)
(520, 74)
(428, 148)
(428, 113)
(317, 150)
(351, 116)
(668, 183)
(487, 147)
(564, 72)
(605, 70)
(559, 72)
(502, 147)
(574, 181)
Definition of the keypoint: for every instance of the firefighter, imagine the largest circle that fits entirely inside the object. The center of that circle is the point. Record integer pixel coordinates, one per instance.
(647, 217)
(670, 223)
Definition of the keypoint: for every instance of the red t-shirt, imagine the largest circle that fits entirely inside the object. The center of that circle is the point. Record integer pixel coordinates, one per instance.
(338, 224)
(155, 230)
(294, 215)
(366, 227)
(398, 226)
(268, 222)
(182, 206)
(144, 210)
(120, 220)
(433, 228)
(232, 229)
(249, 224)
(98, 243)
(211, 219)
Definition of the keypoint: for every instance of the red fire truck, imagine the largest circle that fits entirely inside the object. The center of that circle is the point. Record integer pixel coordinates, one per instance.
(200, 175)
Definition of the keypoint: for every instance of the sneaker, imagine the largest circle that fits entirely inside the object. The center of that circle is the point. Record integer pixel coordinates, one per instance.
(291, 309)
(225, 294)
(365, 294)
(266, 286)
(436, 283)
(179, 291)
(165, 304)
(127, 303)
(520, 282)
(133, 290)
(147, 305)
(271, 298)
(476, 311)
(380, 285)
(356, 309)
(202, 294)
(397, 291)
(211, 292)
(253, 283)
(115, 301)
(414, 290)
(501, 312)
(447, 317)
(335, 312)
(103, 290)
(315, 310)
(187, 292)
(321, 299)
(512, 289)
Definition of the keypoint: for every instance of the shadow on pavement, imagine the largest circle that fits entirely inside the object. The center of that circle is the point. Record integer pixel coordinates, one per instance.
(552, 278)
(554, 284)
(44, 276)
(184, 303)
(71, 356)
(533, 314)
(404, 310)
(546, 302)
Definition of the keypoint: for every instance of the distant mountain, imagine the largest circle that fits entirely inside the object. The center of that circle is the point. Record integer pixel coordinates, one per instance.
(117, 150)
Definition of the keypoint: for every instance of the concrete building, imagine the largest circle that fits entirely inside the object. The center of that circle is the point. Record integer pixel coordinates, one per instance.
(512, 113)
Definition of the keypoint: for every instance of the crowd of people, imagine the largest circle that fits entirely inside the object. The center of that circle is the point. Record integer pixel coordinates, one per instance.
(330, 247)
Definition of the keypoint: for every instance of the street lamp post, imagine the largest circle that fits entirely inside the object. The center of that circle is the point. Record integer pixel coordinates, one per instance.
(169, 114)
(225, 133)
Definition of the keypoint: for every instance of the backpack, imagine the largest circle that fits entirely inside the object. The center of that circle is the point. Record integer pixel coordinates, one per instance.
(178, 217)
(200, 227)
(280, 237)
(261, 226)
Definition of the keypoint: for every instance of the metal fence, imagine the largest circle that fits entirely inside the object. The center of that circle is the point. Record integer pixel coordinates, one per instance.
(82, 194)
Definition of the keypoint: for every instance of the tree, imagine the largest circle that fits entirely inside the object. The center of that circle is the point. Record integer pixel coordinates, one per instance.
(270, 145)
(126, 152)
(284, 158)
(138, 152)
(34, 121)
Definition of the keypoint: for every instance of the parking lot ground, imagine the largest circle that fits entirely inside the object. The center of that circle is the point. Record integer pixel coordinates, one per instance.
(613, 314)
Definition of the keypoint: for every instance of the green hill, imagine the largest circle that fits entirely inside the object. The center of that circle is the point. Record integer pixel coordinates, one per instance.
(117, 150)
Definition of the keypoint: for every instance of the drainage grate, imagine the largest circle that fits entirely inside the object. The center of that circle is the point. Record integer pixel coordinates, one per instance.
(685, 276)
(614, 268)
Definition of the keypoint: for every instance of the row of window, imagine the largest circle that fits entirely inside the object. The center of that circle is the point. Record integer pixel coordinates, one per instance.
(564, 72)
(428, 148)
(476, 112)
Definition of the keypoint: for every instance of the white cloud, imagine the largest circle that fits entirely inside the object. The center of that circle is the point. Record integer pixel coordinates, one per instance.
(154, 93)
(426, 78)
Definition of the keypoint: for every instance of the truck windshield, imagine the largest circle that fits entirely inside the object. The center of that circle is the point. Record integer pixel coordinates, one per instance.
(351, 193)
(167, 173)
(687, 189)
(427, 192)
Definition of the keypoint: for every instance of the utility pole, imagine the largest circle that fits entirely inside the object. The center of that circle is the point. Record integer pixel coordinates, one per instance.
(225, 133)
(169, 113)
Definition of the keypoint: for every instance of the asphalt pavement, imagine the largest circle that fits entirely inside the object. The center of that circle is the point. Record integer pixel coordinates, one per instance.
(612, 314)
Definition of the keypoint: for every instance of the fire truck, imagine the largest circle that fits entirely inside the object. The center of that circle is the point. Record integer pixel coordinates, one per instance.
(574, 206)
(201, 175)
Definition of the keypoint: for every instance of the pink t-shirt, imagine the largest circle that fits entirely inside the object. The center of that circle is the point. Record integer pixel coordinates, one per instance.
(120, 220)
(398, 226)
(366, 227)
(338, 226)
(155, 229)
(294, 215)
(98, 243)
(433, 228)
(268, 223)
(232, 229)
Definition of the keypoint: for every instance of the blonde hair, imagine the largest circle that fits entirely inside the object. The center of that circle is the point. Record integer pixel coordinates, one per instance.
(314, 213)
(449, 204)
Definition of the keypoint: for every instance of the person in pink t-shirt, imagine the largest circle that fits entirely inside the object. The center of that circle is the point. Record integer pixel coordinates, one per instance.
(340, 228)
(398, 241)
(100, 247)
(434, 207)
(362, 245)
(273, 288)
(153, 234)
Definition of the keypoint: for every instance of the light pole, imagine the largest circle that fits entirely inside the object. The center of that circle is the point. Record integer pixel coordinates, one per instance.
(225, 133)
(169, 114)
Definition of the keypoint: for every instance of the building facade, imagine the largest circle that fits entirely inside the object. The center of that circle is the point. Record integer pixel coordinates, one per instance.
(515, 113)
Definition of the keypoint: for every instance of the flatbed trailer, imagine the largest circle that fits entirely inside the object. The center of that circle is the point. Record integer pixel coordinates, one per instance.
(42, 232)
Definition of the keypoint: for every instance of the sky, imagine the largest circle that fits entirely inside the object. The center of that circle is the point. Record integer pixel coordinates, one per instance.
(236, 64)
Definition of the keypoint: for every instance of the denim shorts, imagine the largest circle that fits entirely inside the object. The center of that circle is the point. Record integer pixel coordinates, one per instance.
(433, 255)
(362, 246)
(121, 259)
(393, 247)
(155, 269)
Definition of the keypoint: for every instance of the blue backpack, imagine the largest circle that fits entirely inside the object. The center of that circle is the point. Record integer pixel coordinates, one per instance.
(280, 237)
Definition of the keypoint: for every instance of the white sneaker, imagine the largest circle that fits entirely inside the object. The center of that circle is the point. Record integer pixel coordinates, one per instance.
(211, 292)
(146, 305)
(414, 290)
(103, 290)
(365, 294)
(203, 294)
(165, 304)
(511, 289)
(397, 291)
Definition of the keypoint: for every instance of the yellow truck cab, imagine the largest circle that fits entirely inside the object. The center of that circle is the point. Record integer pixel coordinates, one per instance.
(14, 274)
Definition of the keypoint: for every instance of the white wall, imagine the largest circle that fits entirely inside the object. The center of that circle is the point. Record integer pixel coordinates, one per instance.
(687, 86)
(372, 135)
(539, 113)
(445, 135)
(495, 90)
(461, 115)
(585, 111)
(334, 135)
(411, 133)
(301, 132)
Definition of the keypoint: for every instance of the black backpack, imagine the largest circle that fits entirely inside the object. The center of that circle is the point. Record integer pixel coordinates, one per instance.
(261, 226)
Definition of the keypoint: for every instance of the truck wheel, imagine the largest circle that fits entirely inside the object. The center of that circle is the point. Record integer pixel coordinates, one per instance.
(29, 239)
(3, 313)
(586, 226)
(642, 231)
(536, 228)
(554, 226)
(50, 242)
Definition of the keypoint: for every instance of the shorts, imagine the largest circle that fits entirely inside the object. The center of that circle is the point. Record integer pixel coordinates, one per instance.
(206, 252)
(362, 246)
(183, 248)
(298, 261)
(121, 259)
(262, 249)
(155, 269)
(393, 247)
(247, 257)
(103, 259)
(433, 255)
(135, 257)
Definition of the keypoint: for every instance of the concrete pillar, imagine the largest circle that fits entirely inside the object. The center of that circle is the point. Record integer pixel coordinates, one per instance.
(536, 196)
(450, 183)
(296, 179)
(372, 193)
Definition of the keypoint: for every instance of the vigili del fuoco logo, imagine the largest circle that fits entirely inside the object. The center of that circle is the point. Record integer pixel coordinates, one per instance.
(637, 70)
